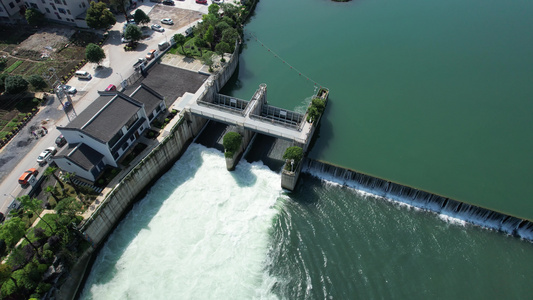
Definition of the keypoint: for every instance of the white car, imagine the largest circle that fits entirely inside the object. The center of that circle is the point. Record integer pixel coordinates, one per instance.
(157, 27)
(218, 1)
(167, 21)
(70, 89)
(47, 153)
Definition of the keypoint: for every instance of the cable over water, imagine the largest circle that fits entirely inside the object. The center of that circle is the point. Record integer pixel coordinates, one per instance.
(282, 60)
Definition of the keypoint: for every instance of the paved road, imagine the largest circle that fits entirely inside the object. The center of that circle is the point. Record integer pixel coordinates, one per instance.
(22, 151)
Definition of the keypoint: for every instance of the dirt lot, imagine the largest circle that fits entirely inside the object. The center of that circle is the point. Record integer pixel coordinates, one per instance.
(181, 17)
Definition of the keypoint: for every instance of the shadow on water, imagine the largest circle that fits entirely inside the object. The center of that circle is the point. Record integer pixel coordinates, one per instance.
(212, 135)
(324, 132)
(302, 194)
(269, 150)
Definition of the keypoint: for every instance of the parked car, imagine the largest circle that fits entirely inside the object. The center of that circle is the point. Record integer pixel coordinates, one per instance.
(45, 155)
(218, 1)
(111, 88)
(70, 89)
(150, 54)
(201, 1)
(168, 2)
(125, 40)
(25, 177)
(167, 21)
(61, 141)
(157, 27)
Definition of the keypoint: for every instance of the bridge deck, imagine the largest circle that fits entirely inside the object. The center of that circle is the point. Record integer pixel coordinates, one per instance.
(270, 128)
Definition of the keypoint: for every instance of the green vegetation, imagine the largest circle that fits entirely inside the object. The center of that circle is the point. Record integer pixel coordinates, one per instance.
(140, 17)
(315, 109)
(13, 66)
(232, 142)
(295, 153)
(94, 54)
(53, 238)
(99, 16)
(33, 16)
(16, 84)
(133, 33)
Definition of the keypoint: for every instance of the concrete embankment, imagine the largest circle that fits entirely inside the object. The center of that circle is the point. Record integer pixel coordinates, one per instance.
(184, 128)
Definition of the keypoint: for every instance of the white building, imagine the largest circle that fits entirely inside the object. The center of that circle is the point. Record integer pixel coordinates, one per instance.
(106, 130)
(71, 12)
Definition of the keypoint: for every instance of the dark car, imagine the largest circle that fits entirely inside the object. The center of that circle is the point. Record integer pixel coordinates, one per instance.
(61, 141)
(201, 1)
(168, 2)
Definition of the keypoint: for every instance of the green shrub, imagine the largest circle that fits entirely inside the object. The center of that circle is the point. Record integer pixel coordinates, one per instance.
(232, 142)
(295, 153)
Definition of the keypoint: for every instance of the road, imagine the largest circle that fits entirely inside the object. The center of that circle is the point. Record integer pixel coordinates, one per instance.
(116, 66)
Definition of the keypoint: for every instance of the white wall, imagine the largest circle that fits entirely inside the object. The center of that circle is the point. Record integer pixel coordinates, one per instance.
(67, 166)
(74, 137)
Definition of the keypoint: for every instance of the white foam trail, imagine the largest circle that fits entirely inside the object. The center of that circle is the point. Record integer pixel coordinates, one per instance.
(200, 233)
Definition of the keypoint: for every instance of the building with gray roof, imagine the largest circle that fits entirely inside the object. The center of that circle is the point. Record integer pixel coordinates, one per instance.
(106, 130)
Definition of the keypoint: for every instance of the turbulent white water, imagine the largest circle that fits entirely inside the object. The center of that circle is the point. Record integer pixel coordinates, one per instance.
(201, 232)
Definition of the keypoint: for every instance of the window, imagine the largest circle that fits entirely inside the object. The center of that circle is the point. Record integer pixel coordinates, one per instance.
(131, 121)
(62, 10)
(18, 1)
(125, 146)
(33, 5)
(53, 6)
(151, 116)
(58, 16)
(42, 1)
(1, 10)
(115, 139)
(47, 10)
(11, 5)
(57, 1)
(68, 11)
(132, 138)
(64, 2)
(81, 136)
(83, 4)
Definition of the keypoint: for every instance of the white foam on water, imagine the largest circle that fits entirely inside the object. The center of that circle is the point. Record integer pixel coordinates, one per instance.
(201, 232)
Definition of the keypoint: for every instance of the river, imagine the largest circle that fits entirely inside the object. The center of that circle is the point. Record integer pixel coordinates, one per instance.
(425, 93)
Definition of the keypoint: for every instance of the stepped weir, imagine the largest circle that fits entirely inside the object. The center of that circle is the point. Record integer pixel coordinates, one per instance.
(421, 199)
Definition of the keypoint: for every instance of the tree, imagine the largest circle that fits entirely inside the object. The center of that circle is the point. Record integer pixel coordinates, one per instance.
(94, 54)
(133, 33)
(209, 36)
(69, 176)
(200, 43)
(33, 16)
(231, 142)
(140, 17)
(13, 230)
(50, 189)
(68, 207)
(52, 171)
(5, 274)
(37, 82)
(213, 9)
(34, 206)
(99, 16)
(3, 77)
(15, 84)
(120, 5)
(222, 48)
(295, 153)
(180, 41)
(230, 36)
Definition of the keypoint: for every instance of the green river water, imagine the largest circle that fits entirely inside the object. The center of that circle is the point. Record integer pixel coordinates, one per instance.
(431, 94)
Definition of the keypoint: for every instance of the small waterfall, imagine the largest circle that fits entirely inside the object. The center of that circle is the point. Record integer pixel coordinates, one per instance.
(421, 199)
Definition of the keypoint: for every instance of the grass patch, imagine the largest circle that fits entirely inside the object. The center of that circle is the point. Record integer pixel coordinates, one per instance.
(14, 66)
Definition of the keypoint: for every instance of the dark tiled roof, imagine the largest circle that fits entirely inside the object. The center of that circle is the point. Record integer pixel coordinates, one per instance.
(149, 97)
(82, 155)
(105, 116)
(171, 82)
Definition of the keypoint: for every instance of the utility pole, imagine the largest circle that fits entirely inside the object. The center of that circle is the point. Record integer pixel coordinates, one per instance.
(57, 86)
